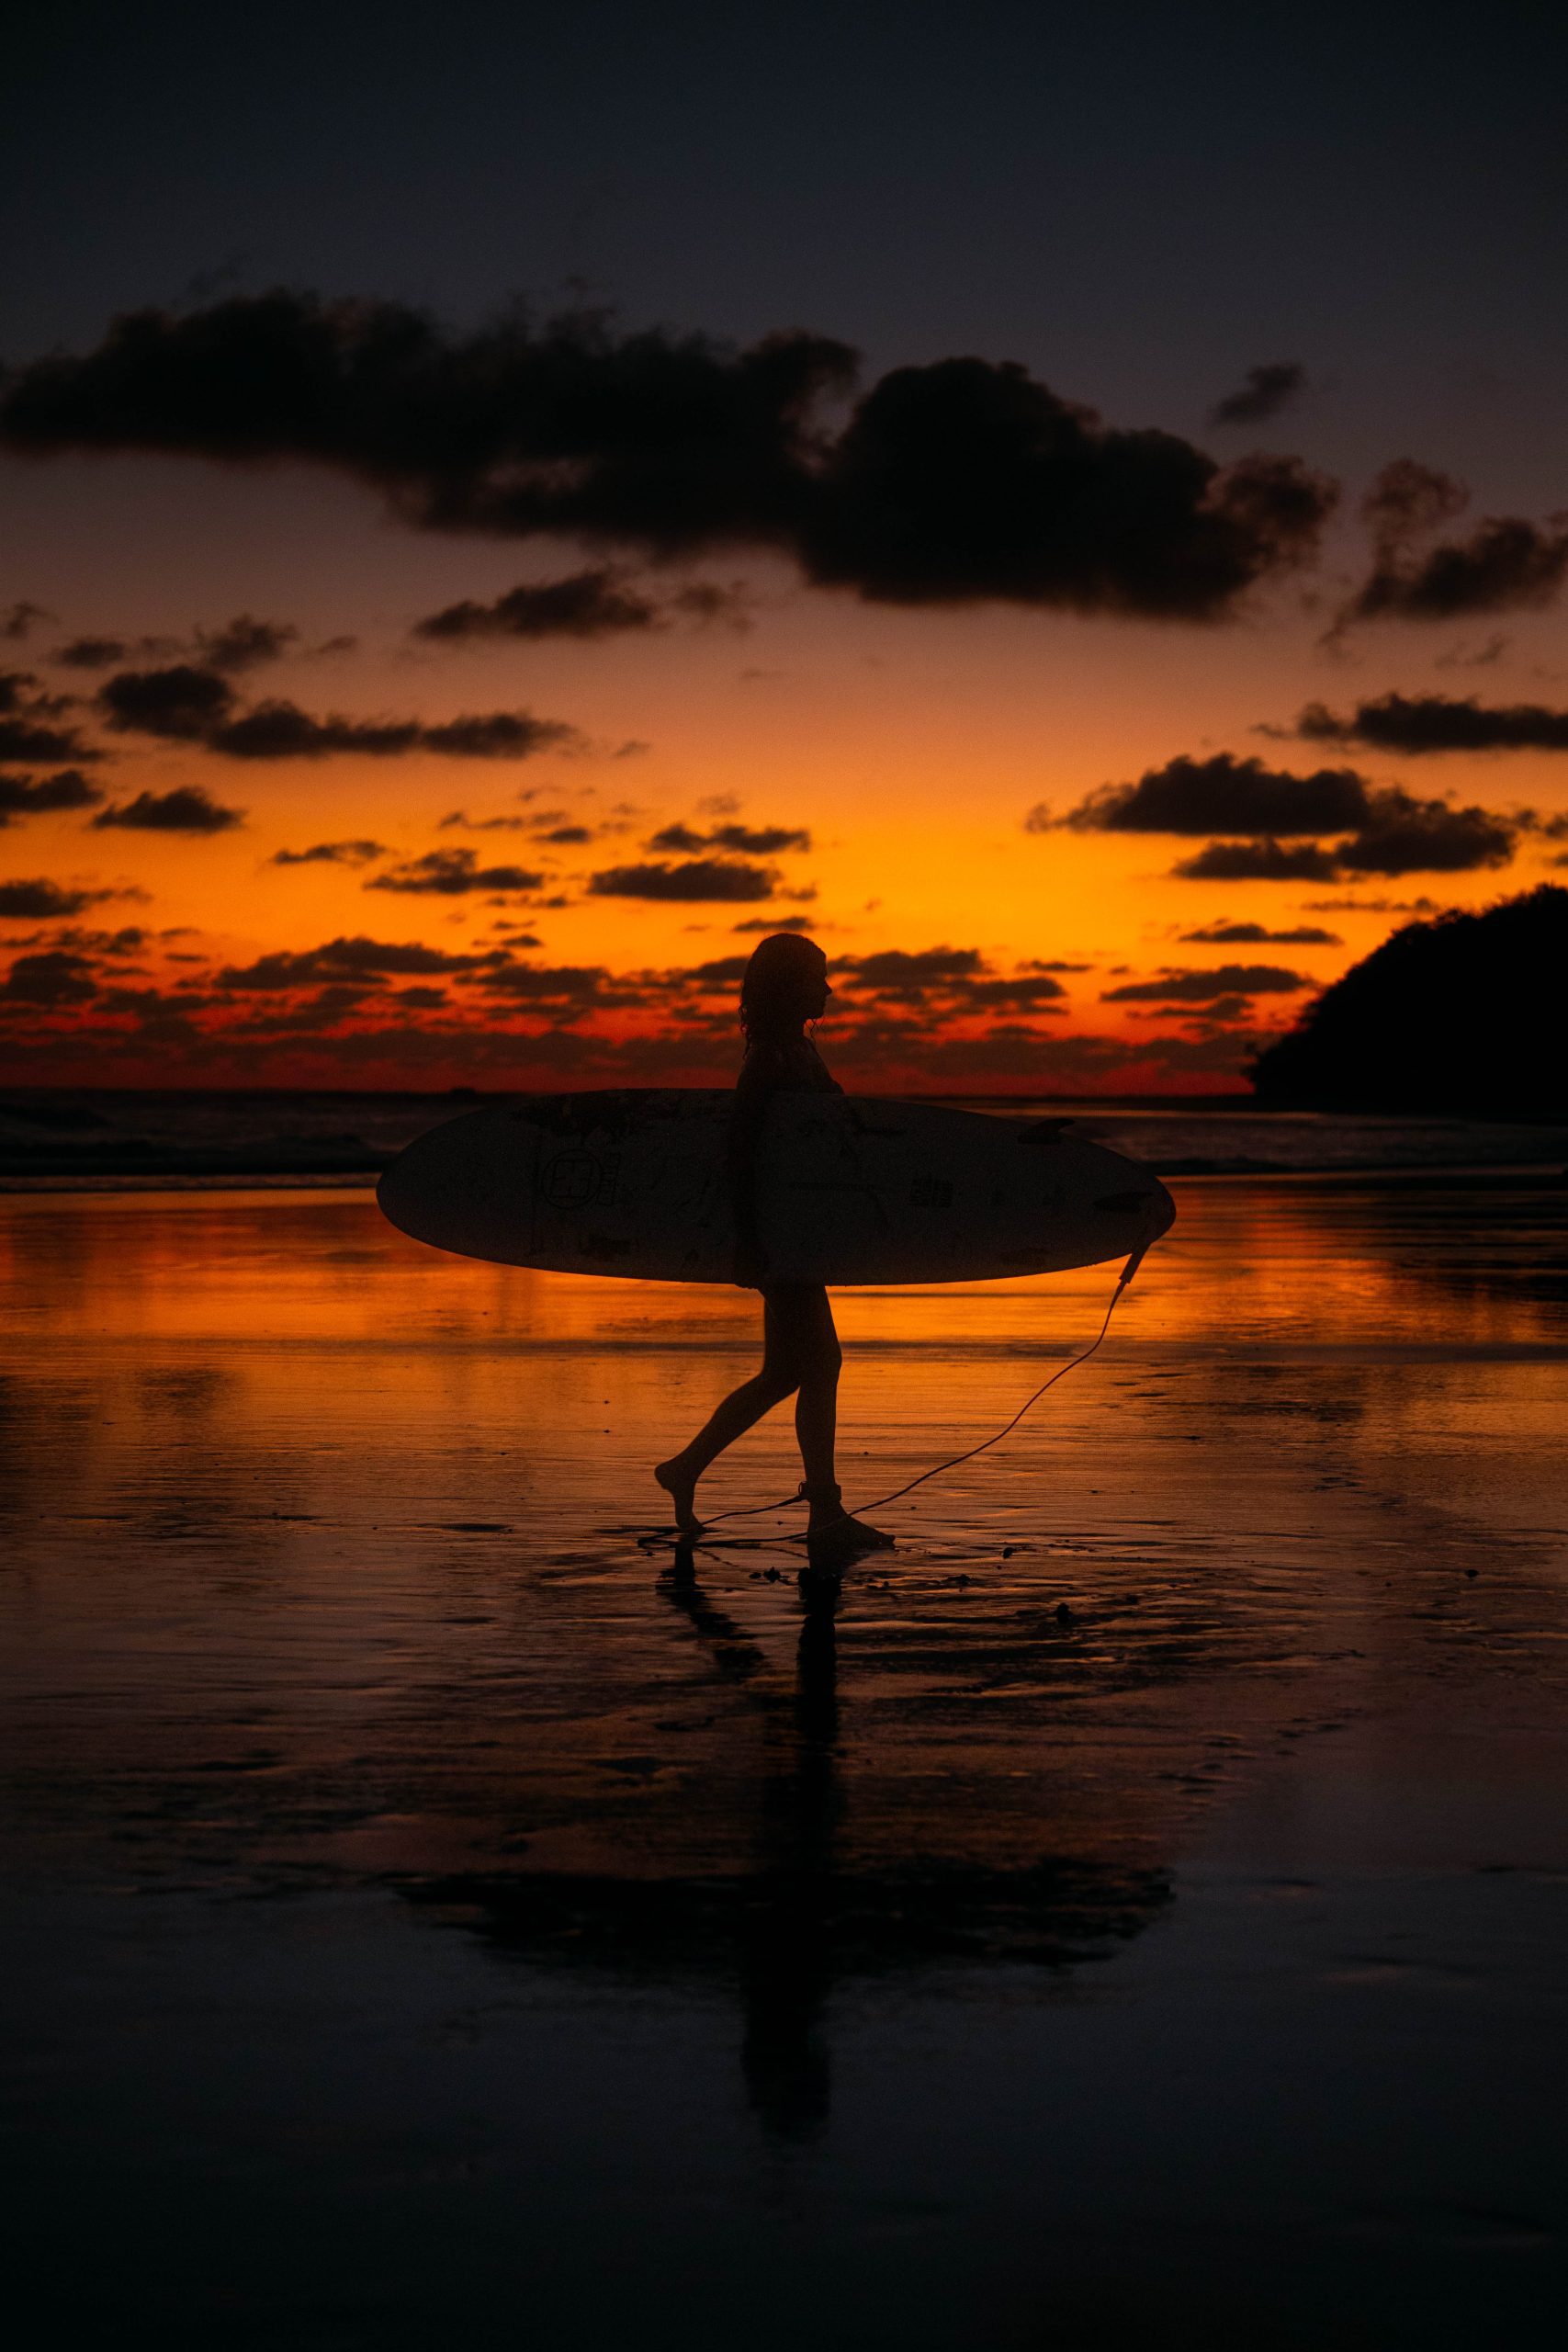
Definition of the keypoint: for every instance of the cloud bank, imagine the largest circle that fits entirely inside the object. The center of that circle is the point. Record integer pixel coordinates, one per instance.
(956, 482)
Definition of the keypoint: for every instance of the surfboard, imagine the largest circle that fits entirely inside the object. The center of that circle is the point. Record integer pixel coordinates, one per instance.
(850, 1189)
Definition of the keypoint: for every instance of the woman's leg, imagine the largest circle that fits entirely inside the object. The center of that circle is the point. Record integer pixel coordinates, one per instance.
(741, 1410)
(834, 1533)
(814, 1348)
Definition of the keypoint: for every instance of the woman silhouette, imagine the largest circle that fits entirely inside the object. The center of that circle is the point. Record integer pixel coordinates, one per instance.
(785, 986)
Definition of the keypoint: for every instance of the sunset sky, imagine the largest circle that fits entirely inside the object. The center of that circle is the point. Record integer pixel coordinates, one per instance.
(501, 510)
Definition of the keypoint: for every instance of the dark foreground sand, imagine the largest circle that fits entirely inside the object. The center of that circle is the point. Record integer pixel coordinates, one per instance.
(1140, 1919)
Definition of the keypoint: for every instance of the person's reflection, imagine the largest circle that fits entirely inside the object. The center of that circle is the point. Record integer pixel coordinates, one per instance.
(785, 1946)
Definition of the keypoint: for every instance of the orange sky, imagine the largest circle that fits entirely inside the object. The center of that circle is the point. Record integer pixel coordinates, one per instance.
(910, 744)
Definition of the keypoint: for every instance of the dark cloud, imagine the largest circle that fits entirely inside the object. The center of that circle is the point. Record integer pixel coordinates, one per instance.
(1264, 392)
(564, 989)
(1257, 934)
(182, 703)
(1239, 980)
(23, 733)
(966, 482)
(185, 810)
(1408, 836)
(91, 652)
(329, 854)
(717, 878)
(26, 795)
(1409, 500)
(1372, 907)
(53, 978)
(1260, 861)
(16, 621)
(281, 730)
(766, 923)
(188, 703)
(955, 978)
(498, 735)
(748, 840)
(1399, 835)
(245, 643)
(1222, 794)
(452, 874)
(901, 969)
(1421, 723)
(956, 482)
(596, 603)
(43, 901)
(1265, 811)
(342, 959)
(1506, 564)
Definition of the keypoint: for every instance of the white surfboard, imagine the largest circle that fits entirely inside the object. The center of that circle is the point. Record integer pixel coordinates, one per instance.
(850, 1189)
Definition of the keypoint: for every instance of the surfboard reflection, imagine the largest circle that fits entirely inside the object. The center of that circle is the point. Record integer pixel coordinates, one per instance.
(805, 1925)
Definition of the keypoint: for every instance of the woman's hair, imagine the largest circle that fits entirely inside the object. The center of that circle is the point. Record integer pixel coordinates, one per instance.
(778, 992)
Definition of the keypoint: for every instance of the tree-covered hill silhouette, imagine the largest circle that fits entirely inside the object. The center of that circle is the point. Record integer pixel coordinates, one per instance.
(1463, 1013)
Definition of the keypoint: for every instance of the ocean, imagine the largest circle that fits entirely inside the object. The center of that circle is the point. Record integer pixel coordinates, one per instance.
(65, 1137)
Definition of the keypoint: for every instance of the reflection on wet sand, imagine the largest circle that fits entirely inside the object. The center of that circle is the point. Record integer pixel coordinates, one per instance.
(357, 1713)
(796, 1924)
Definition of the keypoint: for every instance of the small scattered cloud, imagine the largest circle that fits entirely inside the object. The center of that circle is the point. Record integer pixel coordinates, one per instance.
(766, 924)
(1259, 861)
(90, 652)
(750, 840)
(1221, 794)
(1506, 564)
(27, 731)
(1258, 934)
(600, 601)
(956, 979)
(352, 853)
(180, 704)
(1419, 724)
(1372, 907)
(50, 979)
(188, 809)
(45, 795)
(1264, 392)
(341, 959)
(17, 621)
(1403, 835)
(244, 643)
(187, 702)
(452, 874)
(719, 879)
(1399, 834)
(1184, 987)
(281, 730)
(41, 900)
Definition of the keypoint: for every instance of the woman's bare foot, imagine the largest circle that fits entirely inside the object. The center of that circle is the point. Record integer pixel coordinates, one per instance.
(680, 1487)
(833, 1534)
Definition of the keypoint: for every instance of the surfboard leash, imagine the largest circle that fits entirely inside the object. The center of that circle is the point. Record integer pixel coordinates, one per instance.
(955, 1461)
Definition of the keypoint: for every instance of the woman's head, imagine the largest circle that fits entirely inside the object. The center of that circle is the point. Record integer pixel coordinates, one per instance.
(786, 984)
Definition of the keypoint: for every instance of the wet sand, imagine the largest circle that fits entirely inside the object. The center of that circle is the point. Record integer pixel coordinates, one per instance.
(438, 1913)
